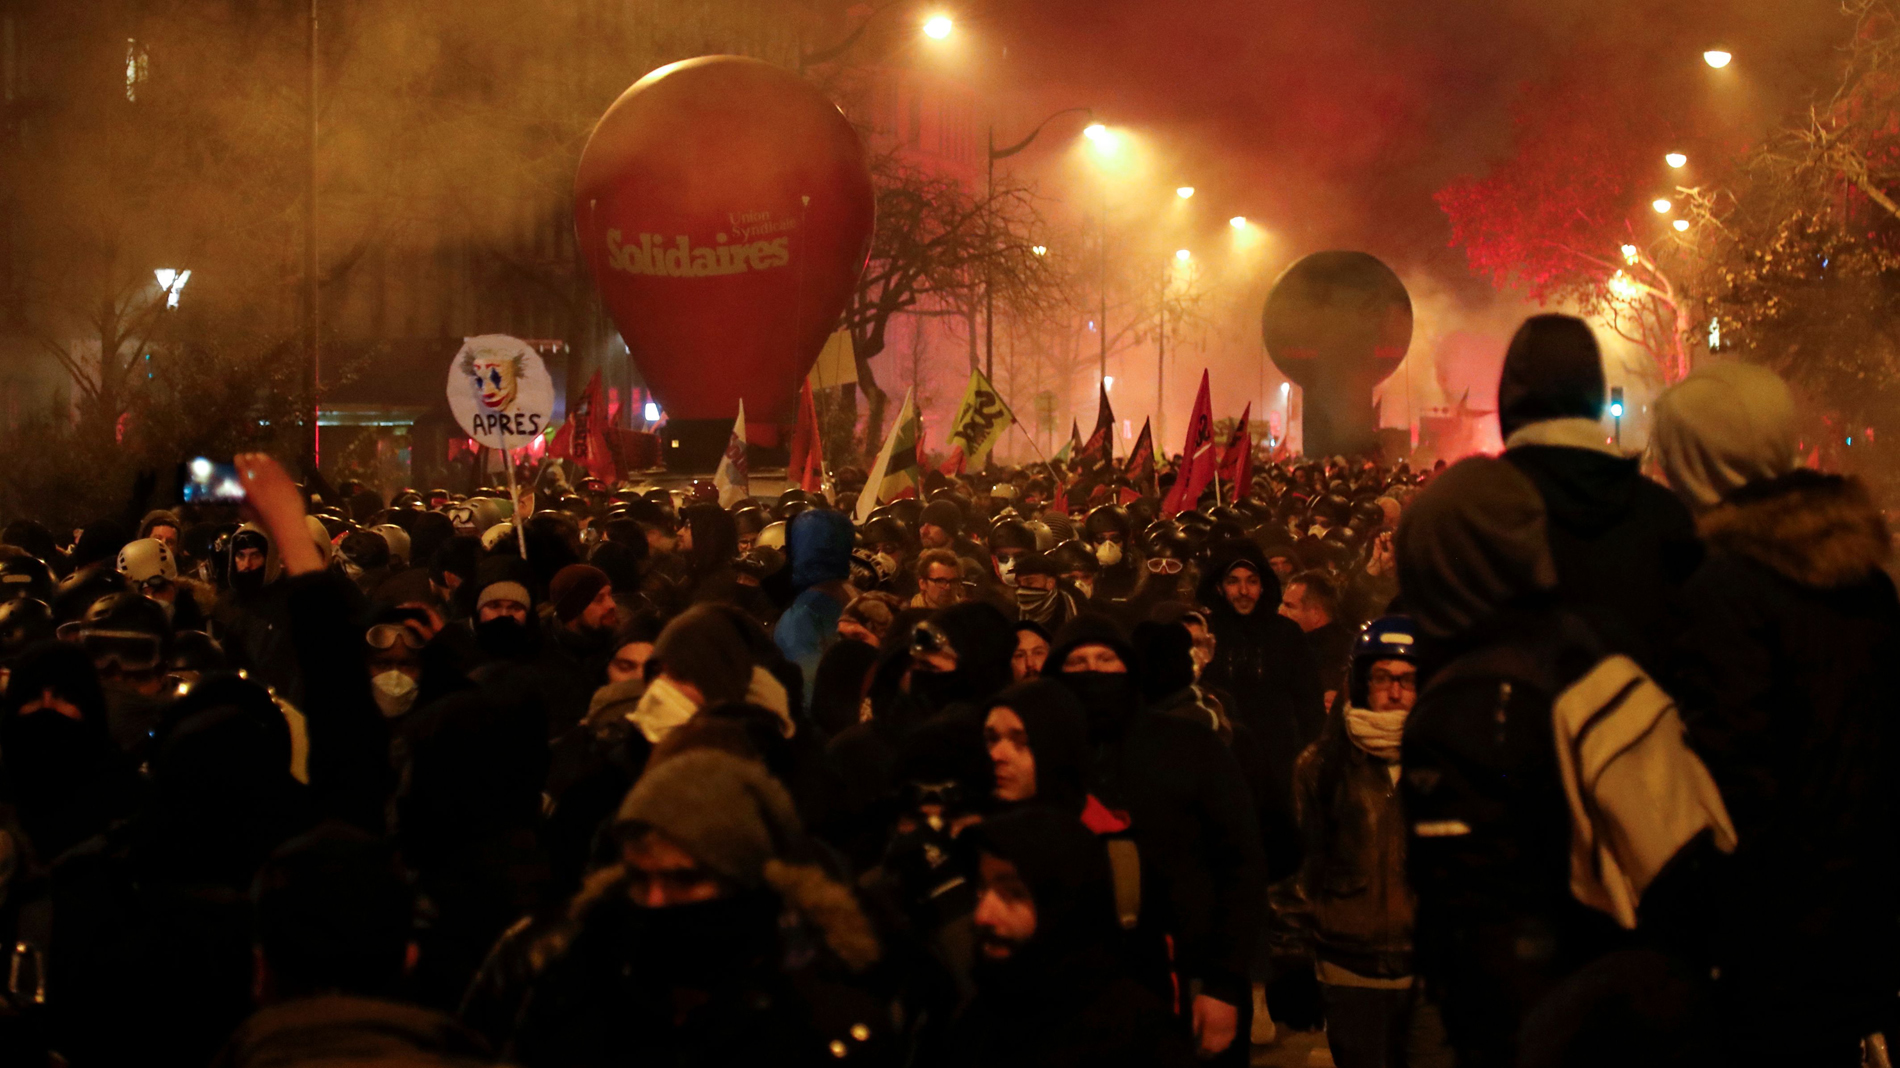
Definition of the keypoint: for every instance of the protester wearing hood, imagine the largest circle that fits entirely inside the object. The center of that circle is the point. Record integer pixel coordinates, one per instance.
(1490, 846)
(332, 938)
(714, 939)
(1188, 809)
(1041, 594)
(710, 541)
(948, 664)
(1037, 737)
(1262, 660)
(819, 544)
(1049, 990)
(1622, 545)
(844, 672)
(1032, 650)
(252, 615)
(1782, 686)
(150, 918)
(59, 769)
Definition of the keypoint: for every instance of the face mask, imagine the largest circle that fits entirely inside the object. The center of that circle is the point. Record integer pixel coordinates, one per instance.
(1087, 586)
(395, 692)
(1006, 570)
(886, 565)
(502, 636)
(247, 582)
(935, 690)
(1378, 733)
(1038, 605)
(1108, 553)
(1108, 697)
(703, 945)
(663, 707)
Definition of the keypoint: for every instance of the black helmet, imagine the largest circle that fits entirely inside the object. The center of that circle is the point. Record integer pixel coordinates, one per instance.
(1075, 556)
(786, 500)
(23, 621)
(1107, 519)
(125, 631)
(81, 588)
(908, 510)
(194, 654)
(750, 520)
(882, 529)
(365, 549)
(24, 575)
(1011, 534)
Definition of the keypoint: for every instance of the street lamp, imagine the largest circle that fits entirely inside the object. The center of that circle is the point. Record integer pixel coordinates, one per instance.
(1183, 255)
(1662, 205)
(172, 282)
(1630, 255)
(1238, 222)
(1184, 192)
(1676, 160)
(1681, 225)
(1040, 250)
(1717, 58)
(989, 299)
(938, 27)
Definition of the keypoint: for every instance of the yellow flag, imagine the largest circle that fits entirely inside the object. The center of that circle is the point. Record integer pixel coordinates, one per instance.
(981, 419)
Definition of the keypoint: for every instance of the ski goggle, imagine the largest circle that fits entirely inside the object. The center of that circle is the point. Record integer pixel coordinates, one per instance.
(927, 639)
(384, 636)
(121, 650)
(1164, 565)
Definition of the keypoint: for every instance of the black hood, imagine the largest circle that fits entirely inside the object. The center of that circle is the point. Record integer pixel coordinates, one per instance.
(1552, 370)
(1584, 490)
(1222, 558)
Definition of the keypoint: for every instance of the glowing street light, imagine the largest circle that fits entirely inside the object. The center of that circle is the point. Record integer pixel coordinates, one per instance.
(1662, 205)
(1183, 255)
(1676, 160)
(1630, 255)
(938, 27)
(1095, 131)
(1623, 287)
(1680, 225)
(1238, 222)
(1108, 381)
(1104, 139)
(172, 282)
(1184, 191)
(1040, 250)
(1717, 58)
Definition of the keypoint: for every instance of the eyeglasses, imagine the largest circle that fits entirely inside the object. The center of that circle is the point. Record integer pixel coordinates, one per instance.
(1384, 679)
(1164, 565)
(121, 650)
(386, 635)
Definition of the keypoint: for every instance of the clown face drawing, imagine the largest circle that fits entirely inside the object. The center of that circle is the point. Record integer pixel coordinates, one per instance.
(496, 378)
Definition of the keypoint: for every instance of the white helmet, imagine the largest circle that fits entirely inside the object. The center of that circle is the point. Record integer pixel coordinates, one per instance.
(398, 540)
(772, 535)
(493, 535)
(146, 559)
(326, 546)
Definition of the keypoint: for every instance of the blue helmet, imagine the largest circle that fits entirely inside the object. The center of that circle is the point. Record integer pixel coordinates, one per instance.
(1385, 638)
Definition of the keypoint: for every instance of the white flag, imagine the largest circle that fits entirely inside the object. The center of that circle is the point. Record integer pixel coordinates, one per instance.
(867, 500)
(732, 480)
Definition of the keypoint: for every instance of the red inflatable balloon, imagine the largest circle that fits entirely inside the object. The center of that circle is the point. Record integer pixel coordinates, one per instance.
(725, 208)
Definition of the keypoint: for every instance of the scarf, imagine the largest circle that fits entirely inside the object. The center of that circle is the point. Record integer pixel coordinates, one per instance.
(1378, 733)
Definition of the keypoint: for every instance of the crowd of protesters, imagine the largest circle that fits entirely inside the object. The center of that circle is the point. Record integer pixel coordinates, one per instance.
(1528, 760)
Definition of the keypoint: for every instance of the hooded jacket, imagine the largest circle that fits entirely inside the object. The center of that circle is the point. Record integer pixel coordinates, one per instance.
(1189, 812)
(1264, 662)
(1623, 546)
(1061, 999)
(819, 544)
(1782, 680)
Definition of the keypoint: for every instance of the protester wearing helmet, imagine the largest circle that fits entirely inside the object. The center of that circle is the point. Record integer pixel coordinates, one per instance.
(1110, 532)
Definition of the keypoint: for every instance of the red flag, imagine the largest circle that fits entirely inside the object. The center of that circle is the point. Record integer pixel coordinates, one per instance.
(583, 438)
(1198, 458)
(1140, 469)
(954, 464)
(1236, 464)
(807, 466)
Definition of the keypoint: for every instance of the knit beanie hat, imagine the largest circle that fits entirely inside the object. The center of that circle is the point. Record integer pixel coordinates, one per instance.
(703, 646)
(503, 578)
(731, 815)
(1552, 370)
(1722, 428)
(574, 588)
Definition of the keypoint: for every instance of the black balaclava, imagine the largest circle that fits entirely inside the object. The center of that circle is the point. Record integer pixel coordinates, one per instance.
(50, 759)
(1109, 699)
(1058, 739)
(1167, 659)
(1066, 870)
(984, 644)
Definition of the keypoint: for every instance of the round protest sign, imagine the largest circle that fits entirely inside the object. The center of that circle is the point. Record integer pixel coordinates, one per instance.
(500, 391)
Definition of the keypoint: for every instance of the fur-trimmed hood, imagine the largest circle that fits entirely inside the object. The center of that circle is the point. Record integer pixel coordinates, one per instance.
(1818, 530)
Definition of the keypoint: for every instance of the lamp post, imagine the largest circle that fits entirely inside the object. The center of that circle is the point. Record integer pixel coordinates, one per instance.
(312, 324)
(989, 197)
